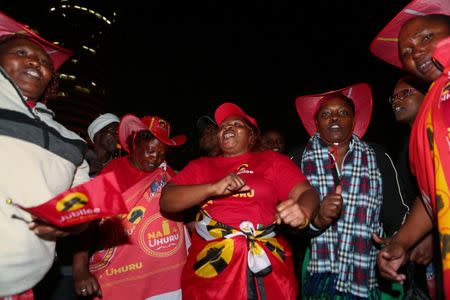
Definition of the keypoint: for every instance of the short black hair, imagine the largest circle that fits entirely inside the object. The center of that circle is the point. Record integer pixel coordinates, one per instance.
(440, 18)
(415, 82)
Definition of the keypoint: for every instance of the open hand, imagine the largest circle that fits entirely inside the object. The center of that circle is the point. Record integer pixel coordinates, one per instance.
(390, 258)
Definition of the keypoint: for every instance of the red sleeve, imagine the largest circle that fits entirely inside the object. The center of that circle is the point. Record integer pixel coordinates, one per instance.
(287, 175)
(189, 174)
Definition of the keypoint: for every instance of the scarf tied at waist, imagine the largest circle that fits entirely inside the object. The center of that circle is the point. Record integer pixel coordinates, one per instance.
(217, 255)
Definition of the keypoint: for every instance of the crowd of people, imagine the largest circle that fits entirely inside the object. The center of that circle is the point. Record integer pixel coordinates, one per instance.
(334, 218)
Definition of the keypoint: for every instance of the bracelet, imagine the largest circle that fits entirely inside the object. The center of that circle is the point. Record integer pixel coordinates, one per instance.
(305, 224)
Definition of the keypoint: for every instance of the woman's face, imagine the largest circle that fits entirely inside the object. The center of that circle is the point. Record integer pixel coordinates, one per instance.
(406, 102)
(149, 155)
(335, 121)
(28, 65)
(235, 136)
(416, 43)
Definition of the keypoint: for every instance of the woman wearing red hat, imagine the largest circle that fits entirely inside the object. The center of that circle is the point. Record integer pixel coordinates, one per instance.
(342, 257)
(423, 49)
(141, 253)
(40, 158)
(237, 250)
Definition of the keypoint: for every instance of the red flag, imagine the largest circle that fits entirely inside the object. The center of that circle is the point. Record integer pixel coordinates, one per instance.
(99, 197)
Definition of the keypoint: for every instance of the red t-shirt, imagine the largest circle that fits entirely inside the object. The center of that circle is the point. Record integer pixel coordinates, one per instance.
(270, 176)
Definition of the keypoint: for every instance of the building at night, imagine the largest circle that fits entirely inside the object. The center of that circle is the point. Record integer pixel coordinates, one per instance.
(88, 28)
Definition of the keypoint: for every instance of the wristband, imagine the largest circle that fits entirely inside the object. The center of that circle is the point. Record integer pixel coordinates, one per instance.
(314, 228)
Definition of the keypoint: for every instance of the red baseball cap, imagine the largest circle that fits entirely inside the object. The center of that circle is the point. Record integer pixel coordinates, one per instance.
(229, 109)
(359, 93)
(58, 54)
(385, 44)
(158, 127)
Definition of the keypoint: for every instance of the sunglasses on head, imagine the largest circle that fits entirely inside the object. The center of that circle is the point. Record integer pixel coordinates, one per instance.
(403, 94)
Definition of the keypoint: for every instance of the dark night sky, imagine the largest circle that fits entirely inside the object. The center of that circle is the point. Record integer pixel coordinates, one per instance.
(181, 60)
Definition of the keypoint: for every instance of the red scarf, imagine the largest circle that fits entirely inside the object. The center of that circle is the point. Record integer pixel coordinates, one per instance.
(429, 150)
(143, 252)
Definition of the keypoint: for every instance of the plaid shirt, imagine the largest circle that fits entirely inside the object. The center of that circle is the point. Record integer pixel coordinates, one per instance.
(345, 248)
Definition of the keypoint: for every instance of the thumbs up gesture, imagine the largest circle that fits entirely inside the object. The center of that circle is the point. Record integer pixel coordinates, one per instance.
(330, 209)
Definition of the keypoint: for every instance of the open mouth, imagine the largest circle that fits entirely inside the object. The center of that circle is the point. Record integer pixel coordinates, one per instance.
(33, 73)
(228, 135)
(425, 66)
(335, 127)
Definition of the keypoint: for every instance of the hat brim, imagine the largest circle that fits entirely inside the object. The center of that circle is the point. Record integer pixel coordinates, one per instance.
(130, 123)
(228, 109)
(385, 44)
(175, 141)
(361, 95)
(203, 122)
(58, 54)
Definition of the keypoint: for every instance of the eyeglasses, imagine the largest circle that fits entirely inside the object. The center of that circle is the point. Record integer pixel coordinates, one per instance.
(403, 94)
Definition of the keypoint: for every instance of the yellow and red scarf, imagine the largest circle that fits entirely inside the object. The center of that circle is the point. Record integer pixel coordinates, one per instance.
(430, 155)
(142, 254)
(237, 263)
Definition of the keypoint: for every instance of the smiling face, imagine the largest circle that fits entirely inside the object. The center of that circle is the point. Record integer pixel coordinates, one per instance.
(417, 40)
(149, 155)
(406, 101)
(28, 65)
(235, 136)
(335, 121)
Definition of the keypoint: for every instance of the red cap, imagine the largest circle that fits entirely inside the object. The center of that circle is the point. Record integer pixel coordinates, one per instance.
(385, 44)
(228, 109)
(158, 127)
(57, 54)
(359, 93)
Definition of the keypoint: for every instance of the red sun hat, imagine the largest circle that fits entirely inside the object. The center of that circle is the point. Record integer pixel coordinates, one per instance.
(229, 109)
(359, 93)
(385, 44)
(58, 54)
(158, 127)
